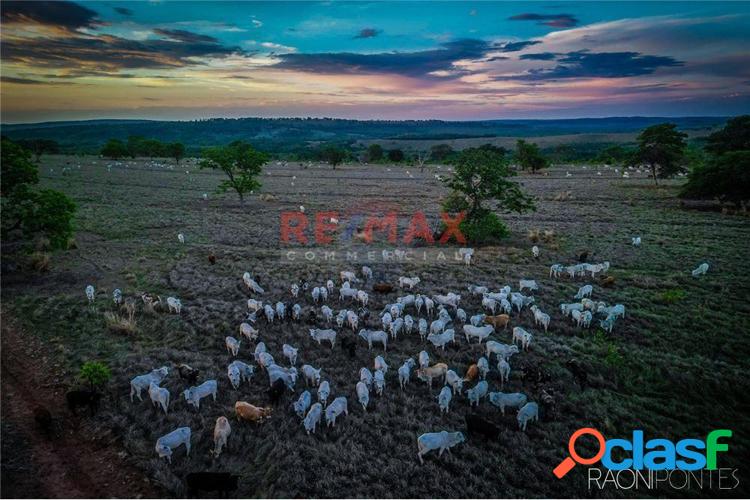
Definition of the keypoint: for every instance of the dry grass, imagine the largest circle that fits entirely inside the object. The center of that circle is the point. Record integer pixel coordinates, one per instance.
(563, 196)
(122, 322)
(40, 261)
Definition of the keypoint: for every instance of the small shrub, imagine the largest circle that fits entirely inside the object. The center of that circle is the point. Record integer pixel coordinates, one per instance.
(40, 261)
(95, 373)
(533, 235)
(671, 296)
(549, 235)
(613, 356)
(485, 229)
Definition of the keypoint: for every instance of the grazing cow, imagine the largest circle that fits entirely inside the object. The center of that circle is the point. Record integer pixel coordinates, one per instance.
(336, 408)
(476, 393)
(422, 328)
(527, 285)
(259, 349)
(269, 312)
(84, 398)
(497, 322)
(454, 381)
(529, 412)
(288, 375)
(440, 340)
(504, 351)
(374, 336)
(276, 391)
(584, 291)
(251, 284)
(700, 270)
(365, 376)
(188, 373)
(221, 482)
(166, 443)
(280, 310)
(311, 374)
(479, 426)
(254, 305)
(251, 413)
(507, 400)
(435, 371)
(194, 395)
(302, 404)
(504, 368)
(442, 441)
(363, 394)
(90, 293)
(222, 429)
(410, 282)
(321, 335)
(174, 305)
(379, 379)
(380, 364)
(233, 345)
(295, 290)
(424, 359)
(312, 418)
(159, 396)
(480, 333)
(144, 381)
(366, 272)
(444, 399)
(483, 366)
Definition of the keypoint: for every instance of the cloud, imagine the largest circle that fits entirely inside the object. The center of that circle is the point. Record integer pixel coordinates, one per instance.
(65, 15)
(256, 23)
(277, 47)
(20, 81)
(185, 36)
(367, 33)
(123, 11)
(424, 63)
(551, 20)
(584, 64)
(539, 56)
(516, 46)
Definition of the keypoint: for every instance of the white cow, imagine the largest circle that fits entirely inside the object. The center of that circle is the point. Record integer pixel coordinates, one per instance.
(424, 359)
(476, 393)
(194, 395)
(404, 372)
(311, 374)
(442, 441)
(302, 404)
(375, 336)
(247, 331)
(584, 291)
(444, 399)
(379, 379)
(290, 353)
(144, 381)
(700, 270)
(324, 390)
(505, 400)
(321, 335)
(480, 332)
(174, 305)
(363, 394)
(336, 408)
(239, 372)
(527, 285)
(251, 283)
(410, 282)
(529, 412)
(222, 429)
(503, 351)
(313, 417)
(167, 442)
(233, 345)
(159, 396)
(454, 380)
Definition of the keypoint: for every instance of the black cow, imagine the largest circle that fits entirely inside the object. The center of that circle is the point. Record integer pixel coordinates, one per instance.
(477, 425)
(43, 419)
(83, 398)
(188, 373)
(223, 482)
(349, 346)
(276, 391)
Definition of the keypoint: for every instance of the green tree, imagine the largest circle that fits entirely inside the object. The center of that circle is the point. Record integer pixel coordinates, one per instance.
(374, 152)
(735, 136)
(440, 152)
(95, 373)
(662, 148)
(395, 155)
(114, 149)
(135, 146)
(529, 156)
(177, 151)
(333, 155)
(30, 210)
(40, 147)
(481, 177)
(241, 164)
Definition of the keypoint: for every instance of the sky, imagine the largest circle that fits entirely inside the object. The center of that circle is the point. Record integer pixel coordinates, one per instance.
(372, 60)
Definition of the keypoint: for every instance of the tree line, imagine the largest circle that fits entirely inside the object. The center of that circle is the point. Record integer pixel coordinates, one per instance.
(137, 146)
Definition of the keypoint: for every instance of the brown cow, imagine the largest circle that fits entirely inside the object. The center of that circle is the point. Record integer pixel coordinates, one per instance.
(472, 373)
(246, 411)
(499, 321)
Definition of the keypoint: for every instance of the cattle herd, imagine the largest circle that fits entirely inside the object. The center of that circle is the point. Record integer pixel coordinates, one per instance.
(434, 319)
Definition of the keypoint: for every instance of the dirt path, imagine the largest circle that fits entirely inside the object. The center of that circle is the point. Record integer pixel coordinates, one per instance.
(67, 465)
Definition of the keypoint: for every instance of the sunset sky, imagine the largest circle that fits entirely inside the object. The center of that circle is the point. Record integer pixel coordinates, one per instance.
(373, 60)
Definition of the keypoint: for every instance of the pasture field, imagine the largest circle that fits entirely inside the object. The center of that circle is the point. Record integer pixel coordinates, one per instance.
(676, 366)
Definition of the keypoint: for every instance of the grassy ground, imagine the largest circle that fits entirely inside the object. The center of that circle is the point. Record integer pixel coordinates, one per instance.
(675, 366)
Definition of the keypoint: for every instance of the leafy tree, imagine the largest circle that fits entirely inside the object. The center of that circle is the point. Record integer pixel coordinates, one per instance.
(726, 177)
(135, 145)
(481, 177)
(333, 155)
(32, 211)
(499, 150)
(95, 373)
(153, 148)
(375, 152)
(735, 136)
(662, 148)
(176, 151)
(395, 155)
(40, 147)
(529, 156)
(114, 149)
(241, 164)
(440, 152)
(613, 155)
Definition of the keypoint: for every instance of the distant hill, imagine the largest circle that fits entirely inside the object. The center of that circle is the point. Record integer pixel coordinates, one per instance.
(289, 134)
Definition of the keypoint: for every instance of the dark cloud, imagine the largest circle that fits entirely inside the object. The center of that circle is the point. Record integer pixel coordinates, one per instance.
(65, 15)
(186, 36)
(123, 11)
(584, 64)
(415, 64)
(516, 46)
(551, 20)
(106, 54)
(539, 56)
(20, 81)
(367, 33)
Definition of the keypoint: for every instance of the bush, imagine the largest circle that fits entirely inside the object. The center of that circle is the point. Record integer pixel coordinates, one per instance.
(726, 177)
(671, 296)
(96, 374)
(39, 261)
(122, 324)
(486, 228)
